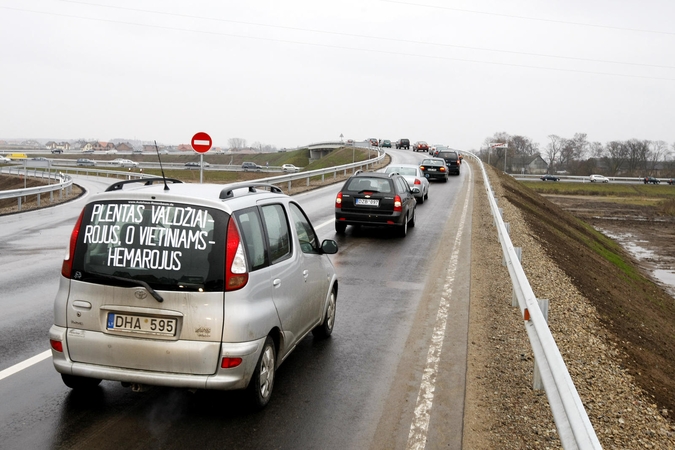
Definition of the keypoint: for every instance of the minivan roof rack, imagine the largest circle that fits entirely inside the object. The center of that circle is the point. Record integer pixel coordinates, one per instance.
(146, 181)
(228, 192)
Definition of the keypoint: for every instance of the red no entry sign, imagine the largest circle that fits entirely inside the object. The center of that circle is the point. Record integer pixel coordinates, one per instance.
(201, 142)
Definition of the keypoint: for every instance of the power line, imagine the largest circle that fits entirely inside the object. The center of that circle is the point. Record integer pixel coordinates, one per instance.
(513, 16)
(338, 47)
(335, 33)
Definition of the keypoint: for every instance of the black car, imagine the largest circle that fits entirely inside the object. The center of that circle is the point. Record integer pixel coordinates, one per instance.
(434, 169)
(651, 180)
(451, 159)
(549, 177)
(250, 166)
(375, 199)
(403, 143)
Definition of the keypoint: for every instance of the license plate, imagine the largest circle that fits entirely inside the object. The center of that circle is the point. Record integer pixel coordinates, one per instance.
(141, 324)
(367, 201)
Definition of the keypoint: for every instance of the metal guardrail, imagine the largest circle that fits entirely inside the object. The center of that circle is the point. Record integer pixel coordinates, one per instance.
(62, 183)
(574, 427)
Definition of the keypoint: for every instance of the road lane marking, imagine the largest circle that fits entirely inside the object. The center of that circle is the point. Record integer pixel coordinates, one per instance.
(25, 364)
(417, 438)
(328, 222)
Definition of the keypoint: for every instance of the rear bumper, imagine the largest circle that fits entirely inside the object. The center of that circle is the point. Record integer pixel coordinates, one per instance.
(223, 379)
(376, 220)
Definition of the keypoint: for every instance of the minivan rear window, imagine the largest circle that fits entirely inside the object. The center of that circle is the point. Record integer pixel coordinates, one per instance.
(170, 246)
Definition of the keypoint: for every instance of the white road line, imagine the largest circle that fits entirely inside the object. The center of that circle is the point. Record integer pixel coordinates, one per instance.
(328, 222)
(417, 438)
(25, 364)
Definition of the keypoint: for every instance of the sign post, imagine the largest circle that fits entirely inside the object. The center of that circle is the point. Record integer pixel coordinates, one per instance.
(201, 143)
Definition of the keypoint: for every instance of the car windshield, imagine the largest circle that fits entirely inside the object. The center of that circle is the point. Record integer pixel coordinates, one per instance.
(362, 184)
(169, 246)
(432, 161)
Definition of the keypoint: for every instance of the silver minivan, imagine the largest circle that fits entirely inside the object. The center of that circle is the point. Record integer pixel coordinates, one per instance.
(190, 285)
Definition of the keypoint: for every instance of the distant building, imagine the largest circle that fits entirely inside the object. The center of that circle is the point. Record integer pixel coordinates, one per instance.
(124, 147)
(529, 164)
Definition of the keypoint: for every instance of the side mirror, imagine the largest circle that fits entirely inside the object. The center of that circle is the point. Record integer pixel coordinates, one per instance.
(329, 247)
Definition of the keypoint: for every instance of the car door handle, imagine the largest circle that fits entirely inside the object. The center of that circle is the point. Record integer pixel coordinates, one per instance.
(277, 282)
(305, 274)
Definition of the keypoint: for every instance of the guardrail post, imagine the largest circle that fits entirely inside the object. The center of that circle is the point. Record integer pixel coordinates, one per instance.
(51, 196)
(38, 200)
(307, 181)
(19, 203)
(537, 382)
(289, 186)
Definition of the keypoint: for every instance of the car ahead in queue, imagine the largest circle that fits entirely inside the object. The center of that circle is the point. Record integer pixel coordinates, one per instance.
(196, 286)
(452, 161)
(375, 199)
(386, 143)
(403, 144)
(598, 179)
(549, 177)
(414, 177)
(420, 146)
(434, 169)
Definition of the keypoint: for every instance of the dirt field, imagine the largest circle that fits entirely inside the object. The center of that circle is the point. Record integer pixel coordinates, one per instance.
(640, 228)
(638, 314)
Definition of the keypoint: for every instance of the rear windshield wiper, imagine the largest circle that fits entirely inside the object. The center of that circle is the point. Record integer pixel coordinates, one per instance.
(132, 281)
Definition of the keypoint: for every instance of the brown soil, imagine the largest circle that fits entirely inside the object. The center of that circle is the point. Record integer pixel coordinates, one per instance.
(638, 314)
(10, 205)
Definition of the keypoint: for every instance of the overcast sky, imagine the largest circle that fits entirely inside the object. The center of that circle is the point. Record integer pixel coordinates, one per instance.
(292, 72)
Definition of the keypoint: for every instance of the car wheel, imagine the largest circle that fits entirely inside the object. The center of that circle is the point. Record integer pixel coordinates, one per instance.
(326, 328)
(340, 227)
(403, 229)
(411, 223)
(80, 383)
(262, 381)
(420, 200)
(445, 180)
(426, 196)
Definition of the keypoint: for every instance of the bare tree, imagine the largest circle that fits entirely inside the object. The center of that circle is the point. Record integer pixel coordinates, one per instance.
(638, 152)
(553, 150)
(523, 145)
(617, 156)
(237, 143)
(657, 153)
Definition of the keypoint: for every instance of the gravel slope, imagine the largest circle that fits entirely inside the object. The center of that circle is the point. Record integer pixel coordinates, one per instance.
(502, 409)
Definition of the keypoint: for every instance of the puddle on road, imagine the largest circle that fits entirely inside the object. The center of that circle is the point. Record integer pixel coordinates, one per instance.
(632, 245)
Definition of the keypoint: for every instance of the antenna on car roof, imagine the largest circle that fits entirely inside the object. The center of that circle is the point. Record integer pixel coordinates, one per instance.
(166, 187)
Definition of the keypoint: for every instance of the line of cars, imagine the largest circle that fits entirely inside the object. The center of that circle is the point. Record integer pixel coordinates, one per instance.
(388, 199)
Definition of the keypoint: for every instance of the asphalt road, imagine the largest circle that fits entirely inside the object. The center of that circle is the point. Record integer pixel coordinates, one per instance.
(391, 376)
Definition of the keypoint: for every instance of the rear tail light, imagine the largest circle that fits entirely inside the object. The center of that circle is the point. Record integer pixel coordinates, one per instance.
(423, 168)
(338, 200)
(67, 266)
(229, 363)
(417, 181)
(56, 345)
(442, 169)
(236, 271)
(398, 206)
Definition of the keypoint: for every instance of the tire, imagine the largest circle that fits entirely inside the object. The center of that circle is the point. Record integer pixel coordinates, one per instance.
(426, 196)
(403, 229)
(326, 328)
(262, 381)
(421, 199)
(340, 227)
(411, 223)
(445, 180)
(80, 383)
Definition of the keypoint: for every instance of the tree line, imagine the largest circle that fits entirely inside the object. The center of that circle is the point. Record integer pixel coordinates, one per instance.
(579, 156)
